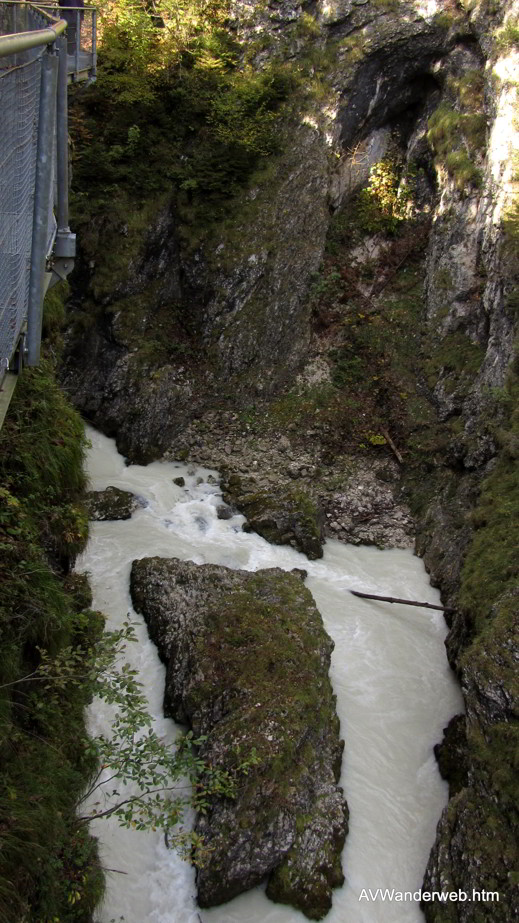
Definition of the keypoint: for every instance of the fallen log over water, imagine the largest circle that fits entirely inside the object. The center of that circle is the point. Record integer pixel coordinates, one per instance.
(393, 599)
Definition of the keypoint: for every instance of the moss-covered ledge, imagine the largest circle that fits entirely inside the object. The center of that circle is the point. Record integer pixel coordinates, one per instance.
(286, 516)
(247, 665)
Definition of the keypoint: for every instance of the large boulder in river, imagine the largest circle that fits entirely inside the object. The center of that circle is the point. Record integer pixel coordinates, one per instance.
(288, 516)
(111, 504)
(247, 665)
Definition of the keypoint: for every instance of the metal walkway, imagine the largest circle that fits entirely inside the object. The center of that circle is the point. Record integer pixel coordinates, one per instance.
(42, 49)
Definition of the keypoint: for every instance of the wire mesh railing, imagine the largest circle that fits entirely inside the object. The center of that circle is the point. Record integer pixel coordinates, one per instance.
(36, 245)
(37, 248)
(81, 37)
(20, 81)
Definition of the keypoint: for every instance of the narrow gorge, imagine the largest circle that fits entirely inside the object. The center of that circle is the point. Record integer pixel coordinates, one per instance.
(298, 226)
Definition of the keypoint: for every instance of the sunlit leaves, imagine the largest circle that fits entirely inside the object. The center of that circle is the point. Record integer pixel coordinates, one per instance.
(142, 780)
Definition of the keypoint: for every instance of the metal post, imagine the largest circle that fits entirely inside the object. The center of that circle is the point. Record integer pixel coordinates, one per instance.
(62, 137)
(46, 127)
(94, 43)
(15, 29)
(65, 243)
(78, 42)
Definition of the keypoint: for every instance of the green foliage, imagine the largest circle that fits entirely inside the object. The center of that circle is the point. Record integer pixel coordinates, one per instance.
(511, 228)
(45, 863)
(470, 90)
(486, 7)
(383, 205)
(511, 239)
(507, 37)
(460, 166)
(47, 467)
(353, 48)
(444, 19)
(133, 755)
(174, 109)
(490, 572)
(388, 5)
(376, 439)
(307, 26)
(495, 754)
(325, 287)
(370, 310)
(53, 660)
(491, 565)
(54, 313)
(457, 129)
(456, 358)
(246, 113)
(301, 405)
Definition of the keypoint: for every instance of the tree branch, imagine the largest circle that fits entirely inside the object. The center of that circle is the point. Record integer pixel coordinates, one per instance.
(394, 599)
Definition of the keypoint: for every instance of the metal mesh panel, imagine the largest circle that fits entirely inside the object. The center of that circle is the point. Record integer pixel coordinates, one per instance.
(80, 19)
(81, 37)
(36, 19)
(19, 105)
(27, 234)
(20, 17)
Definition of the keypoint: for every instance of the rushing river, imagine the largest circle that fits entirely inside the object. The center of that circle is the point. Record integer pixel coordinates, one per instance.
(394, 690)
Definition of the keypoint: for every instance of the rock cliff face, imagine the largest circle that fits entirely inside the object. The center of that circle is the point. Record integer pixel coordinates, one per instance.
(470, 275)
(242, 302)
(247, 663)
(435, 83)
(177, 330)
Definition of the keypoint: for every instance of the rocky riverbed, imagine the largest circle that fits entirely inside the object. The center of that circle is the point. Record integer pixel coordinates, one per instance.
(272, 474)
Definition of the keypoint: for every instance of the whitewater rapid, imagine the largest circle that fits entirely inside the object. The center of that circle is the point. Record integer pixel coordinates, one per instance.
(394, 690)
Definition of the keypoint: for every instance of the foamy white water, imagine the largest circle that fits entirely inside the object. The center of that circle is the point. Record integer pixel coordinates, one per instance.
(394, 690)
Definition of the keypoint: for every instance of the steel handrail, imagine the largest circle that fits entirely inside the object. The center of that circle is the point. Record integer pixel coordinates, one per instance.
(23, 41)
(17, 42)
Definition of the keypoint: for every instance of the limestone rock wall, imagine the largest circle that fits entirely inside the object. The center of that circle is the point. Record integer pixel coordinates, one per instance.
(167, 329)
(471, 273)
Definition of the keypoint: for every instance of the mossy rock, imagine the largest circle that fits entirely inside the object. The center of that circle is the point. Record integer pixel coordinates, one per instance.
(475, 851)
(451, 754)
(289, 516)
(247, 667)
(110, 504)
(309, 888)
